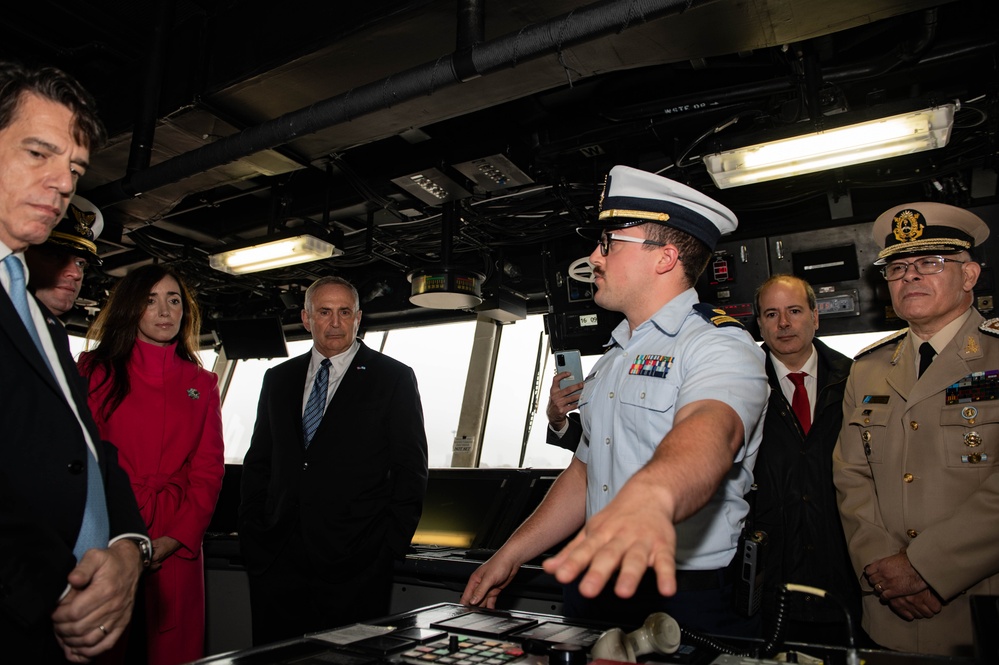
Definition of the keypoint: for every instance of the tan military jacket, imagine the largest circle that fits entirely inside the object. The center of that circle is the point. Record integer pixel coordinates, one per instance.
(916, 472)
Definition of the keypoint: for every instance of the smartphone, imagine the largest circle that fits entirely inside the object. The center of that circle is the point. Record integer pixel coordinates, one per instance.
(569, 361)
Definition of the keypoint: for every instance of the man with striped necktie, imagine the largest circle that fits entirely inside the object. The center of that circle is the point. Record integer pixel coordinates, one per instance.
(334, 479)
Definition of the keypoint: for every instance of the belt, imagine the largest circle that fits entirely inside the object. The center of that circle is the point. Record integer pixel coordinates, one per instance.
(703, 580)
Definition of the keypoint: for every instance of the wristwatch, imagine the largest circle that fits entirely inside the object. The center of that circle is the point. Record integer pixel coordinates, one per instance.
(145, 550)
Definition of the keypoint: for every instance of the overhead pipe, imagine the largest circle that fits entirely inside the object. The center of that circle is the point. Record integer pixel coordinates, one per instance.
(682, 105)
(533, 41)
(141, 150)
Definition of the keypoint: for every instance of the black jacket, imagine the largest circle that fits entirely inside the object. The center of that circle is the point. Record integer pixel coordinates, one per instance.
(43, 485)
(796, 500)
(357, 490)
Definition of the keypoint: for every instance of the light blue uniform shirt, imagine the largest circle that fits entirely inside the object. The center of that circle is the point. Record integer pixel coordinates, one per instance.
(630, 398)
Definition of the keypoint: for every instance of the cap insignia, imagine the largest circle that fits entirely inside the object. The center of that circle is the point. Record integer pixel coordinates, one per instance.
(908, 225)
(83, 220)
(603, 192)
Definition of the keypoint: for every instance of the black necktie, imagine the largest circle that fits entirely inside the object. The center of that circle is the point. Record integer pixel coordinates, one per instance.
(926, 354)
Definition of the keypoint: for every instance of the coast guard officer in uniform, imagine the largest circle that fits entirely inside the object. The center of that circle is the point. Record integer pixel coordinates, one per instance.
(57, 265)
(671, 421)
(915, 466)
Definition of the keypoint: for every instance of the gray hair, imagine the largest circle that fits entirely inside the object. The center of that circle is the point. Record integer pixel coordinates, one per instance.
(330, 280)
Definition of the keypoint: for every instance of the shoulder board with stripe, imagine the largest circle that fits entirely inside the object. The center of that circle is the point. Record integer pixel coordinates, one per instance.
(990, 327)
(881, 342)
(716, 316)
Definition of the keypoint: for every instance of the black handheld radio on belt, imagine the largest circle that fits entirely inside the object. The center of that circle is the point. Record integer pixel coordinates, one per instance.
(749, 563)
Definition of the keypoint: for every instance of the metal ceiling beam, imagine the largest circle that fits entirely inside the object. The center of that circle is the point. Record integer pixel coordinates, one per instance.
(531, 42)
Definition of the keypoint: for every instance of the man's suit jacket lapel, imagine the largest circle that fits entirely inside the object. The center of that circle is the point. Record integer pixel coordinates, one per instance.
(292, 398)
(13, 327)
(344, 395)
(11, 324)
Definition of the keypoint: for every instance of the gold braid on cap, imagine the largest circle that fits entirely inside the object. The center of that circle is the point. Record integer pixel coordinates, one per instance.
(635, 214)
(75, 240)
(938, 244)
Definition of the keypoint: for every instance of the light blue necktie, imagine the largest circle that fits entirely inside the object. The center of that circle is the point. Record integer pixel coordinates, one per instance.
(94, 530)
(317, 402)
(19, 296)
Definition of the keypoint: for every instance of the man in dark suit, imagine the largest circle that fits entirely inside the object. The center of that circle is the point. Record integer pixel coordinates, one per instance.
(61, 489)
(795, 499)
(323, 515)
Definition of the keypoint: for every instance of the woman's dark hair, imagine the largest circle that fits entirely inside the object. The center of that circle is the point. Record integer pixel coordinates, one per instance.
(117, 326)
(55, 85)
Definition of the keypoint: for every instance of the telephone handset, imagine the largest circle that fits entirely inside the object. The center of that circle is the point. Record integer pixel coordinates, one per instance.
(660, 633)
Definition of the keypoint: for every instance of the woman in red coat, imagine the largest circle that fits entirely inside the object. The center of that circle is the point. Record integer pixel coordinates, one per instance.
(151, 399)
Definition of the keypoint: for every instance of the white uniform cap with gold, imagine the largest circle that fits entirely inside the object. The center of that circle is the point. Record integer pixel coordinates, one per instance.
(632, 197)
(927, 228)
(77, 231)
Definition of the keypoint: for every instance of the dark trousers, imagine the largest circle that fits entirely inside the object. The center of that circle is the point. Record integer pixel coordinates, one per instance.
(703, 603)
(290, 599)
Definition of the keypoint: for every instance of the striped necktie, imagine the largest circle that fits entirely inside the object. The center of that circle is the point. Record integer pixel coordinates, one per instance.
(316, 405)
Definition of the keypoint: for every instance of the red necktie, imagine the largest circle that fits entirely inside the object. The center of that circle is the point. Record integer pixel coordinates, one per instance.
(799, 402)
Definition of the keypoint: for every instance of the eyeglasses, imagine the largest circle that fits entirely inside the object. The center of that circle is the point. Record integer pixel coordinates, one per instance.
(606, 238)
(925, 265)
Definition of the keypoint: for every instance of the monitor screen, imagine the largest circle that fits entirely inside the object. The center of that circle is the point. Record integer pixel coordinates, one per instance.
(460, 506)
(529, 494)
(252, 338)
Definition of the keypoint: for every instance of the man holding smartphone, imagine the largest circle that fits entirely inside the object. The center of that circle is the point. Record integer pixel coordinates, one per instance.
(670, 424)
(564, 429)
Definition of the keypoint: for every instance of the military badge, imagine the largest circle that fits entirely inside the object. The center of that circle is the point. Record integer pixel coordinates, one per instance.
(716, 316)
(908, 225)
(647, 364)
(882, 342)
(603, 192)
(975, 387)
(970, 346)
(83, 221)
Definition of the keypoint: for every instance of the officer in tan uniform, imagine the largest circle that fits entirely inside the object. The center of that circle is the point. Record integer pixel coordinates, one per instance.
(915, 467)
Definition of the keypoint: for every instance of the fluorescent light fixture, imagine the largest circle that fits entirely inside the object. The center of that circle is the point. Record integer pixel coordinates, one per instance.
(896, 135)
(271, 254)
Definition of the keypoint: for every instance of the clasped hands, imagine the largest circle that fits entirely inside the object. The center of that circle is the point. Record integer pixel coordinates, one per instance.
(902, 588)
(98, 606)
